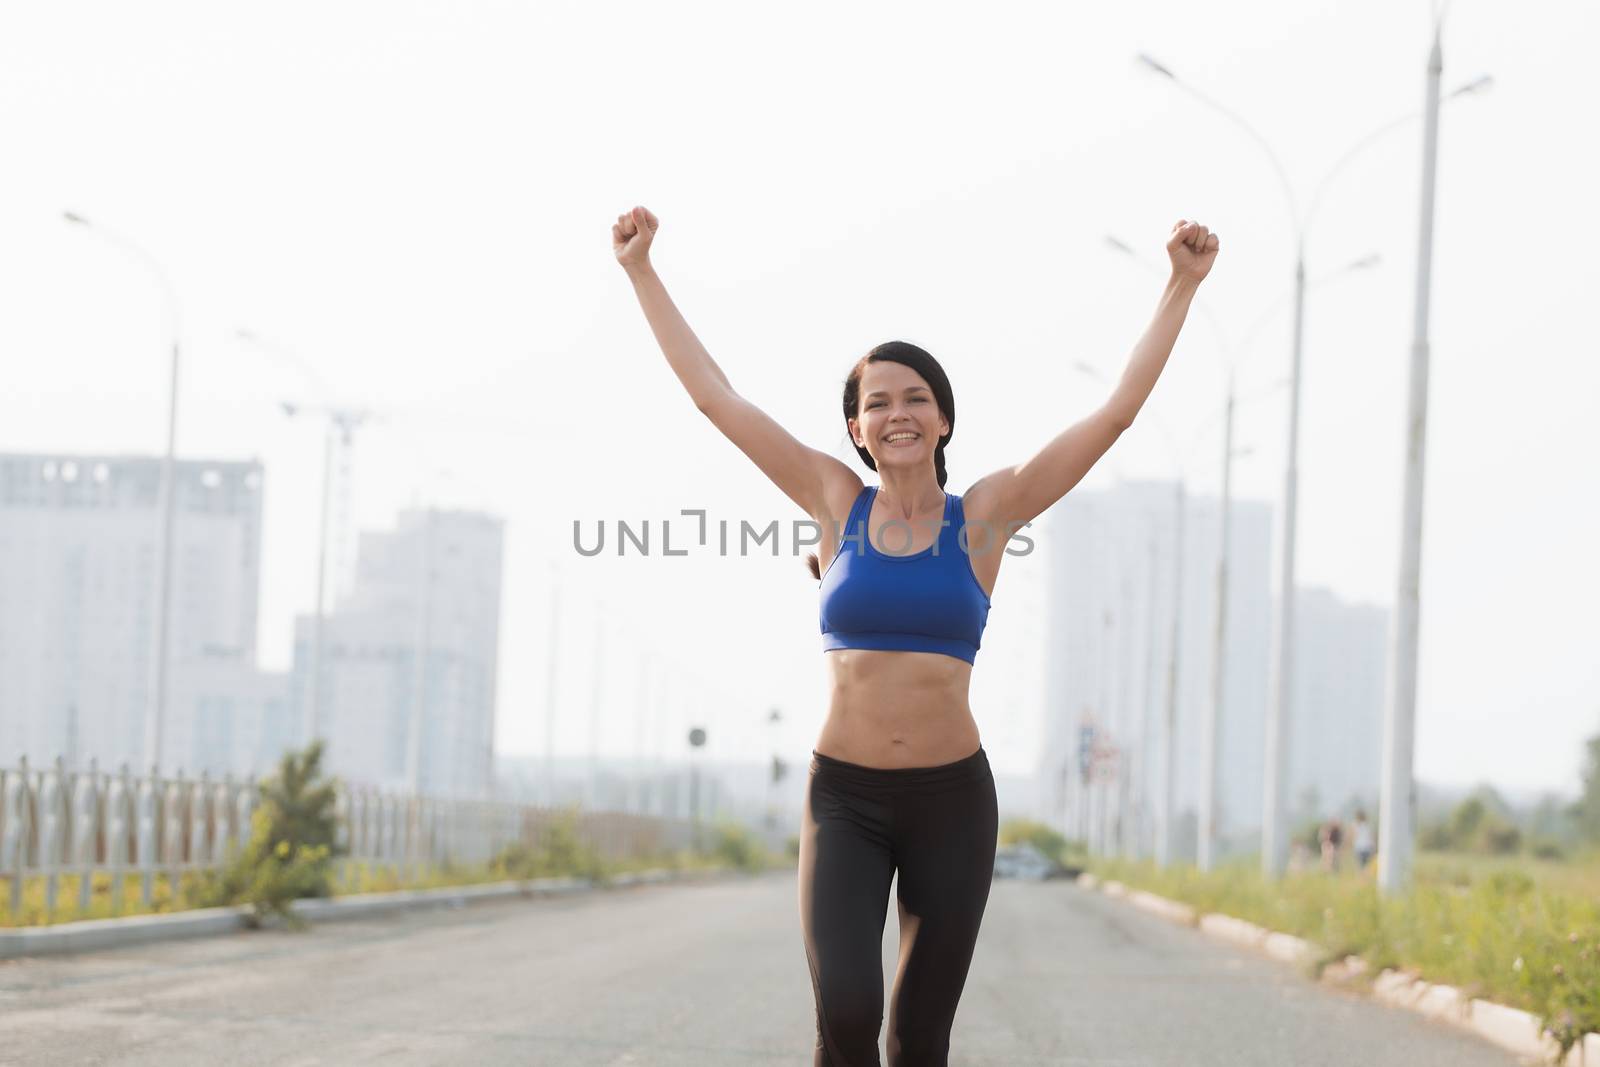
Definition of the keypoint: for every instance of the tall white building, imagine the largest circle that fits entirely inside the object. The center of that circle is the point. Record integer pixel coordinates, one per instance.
(1336, 742)
(1109, 632)
(235, 716)
(410, 658)
(80, 546)
(1108, 635)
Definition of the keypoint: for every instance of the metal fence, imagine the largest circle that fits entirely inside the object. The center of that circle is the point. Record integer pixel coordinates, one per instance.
(57, 823)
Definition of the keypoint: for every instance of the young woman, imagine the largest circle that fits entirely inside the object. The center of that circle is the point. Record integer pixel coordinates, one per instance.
(899, 780)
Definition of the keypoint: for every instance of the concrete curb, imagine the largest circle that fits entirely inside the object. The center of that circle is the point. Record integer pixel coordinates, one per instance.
(1512, 1029)
(1167, 909)
(92, 935)
(361, 905)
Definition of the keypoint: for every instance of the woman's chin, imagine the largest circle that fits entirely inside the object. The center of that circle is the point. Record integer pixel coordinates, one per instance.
(903, 459)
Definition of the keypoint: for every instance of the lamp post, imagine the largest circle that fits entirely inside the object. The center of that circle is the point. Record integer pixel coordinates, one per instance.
(1151, 695)
(697, 740)
(596, 709)
(1114, 810)
(1397, 805)
(662, 731)
(419, 669)
(1274, 836)
(778, 770)
(1094, 801)
(641, 719)
(551, 693)
(156, 712)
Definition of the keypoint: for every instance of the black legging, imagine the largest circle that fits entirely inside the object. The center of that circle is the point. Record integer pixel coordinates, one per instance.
(937, 826)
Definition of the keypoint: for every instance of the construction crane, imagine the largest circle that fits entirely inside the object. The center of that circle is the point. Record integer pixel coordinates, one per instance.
(338, 442)
(338, 446)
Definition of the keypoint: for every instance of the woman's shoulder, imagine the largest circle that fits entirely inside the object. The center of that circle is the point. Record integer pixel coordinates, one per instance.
(843, 498)
(840, 497)
(978, 503)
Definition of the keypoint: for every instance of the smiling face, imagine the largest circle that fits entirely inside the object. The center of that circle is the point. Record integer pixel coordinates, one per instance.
(898, 420)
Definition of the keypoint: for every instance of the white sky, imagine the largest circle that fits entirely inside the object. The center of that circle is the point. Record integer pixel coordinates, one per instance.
(417, 199)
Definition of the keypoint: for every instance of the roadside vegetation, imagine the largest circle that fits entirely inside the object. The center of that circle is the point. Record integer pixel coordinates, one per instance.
(1503, 908)
(292, 855)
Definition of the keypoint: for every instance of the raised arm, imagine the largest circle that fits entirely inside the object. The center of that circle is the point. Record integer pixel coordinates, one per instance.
(809, 477)
(1019, 494)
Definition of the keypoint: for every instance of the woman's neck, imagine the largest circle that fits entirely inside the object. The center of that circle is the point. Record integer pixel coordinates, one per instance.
(909, 494)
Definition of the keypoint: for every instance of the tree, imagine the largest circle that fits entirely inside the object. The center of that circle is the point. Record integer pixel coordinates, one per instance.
(1587, 810)
(292, 842)
(301, 801)
(1480, 823)
(1466, 820)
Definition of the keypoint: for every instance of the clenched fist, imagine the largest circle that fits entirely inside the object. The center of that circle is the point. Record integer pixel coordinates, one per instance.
(1192, 249)
(631, 237)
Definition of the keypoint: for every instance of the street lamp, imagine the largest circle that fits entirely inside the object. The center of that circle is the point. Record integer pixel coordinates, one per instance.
(551, 687)
(1397, 803)
(697, 740)
(641, 720)
(592, 790)
(155, 714)
(779, 769)
(1274, 836)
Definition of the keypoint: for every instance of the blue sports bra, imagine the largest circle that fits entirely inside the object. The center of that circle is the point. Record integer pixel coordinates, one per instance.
(929, 601)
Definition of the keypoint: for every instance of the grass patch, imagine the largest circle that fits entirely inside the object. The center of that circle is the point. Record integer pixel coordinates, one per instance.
(102, 904)
(727, 846)
(1524, 933)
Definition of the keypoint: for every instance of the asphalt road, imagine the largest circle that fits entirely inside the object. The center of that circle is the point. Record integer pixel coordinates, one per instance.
(707, 975)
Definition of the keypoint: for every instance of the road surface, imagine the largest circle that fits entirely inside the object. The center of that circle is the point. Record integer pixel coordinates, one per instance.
(689, 975)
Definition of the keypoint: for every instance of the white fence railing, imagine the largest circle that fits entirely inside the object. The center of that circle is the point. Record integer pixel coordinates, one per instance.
(57, 823)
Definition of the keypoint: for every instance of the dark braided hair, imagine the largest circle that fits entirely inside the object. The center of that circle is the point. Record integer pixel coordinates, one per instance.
(907, 354)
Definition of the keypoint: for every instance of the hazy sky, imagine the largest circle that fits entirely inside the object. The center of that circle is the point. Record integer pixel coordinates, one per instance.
(417, 199)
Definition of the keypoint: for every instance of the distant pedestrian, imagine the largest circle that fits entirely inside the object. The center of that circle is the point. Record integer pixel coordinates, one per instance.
(1364, 843)
(1332, 839)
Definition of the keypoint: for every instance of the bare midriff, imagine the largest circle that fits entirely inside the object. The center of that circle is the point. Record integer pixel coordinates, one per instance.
(898, 709)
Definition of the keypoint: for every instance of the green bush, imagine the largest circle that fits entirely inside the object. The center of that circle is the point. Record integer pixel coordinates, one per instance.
(1434, 837)
(1586, 812)
(1545, 848)
(736, 846)
(291, 847)
(1500, 839)
(1478, 824)
(559, 853)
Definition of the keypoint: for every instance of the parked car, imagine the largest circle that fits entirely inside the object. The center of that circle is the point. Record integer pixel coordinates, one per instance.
(1027, 862)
